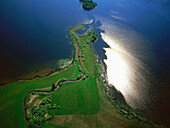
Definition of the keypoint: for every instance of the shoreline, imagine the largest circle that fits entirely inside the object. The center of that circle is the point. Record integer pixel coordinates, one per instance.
(117, 98)
(108, 90)
(120, 103)
(52, 72)
(50, 90)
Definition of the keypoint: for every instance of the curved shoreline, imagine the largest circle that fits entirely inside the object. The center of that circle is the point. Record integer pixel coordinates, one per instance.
(38, 76)
(57, 84)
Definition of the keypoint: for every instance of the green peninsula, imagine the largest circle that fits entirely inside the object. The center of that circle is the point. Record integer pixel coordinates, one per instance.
(73, 97)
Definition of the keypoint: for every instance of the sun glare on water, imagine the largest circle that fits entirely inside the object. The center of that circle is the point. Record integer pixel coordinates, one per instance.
(119, 68)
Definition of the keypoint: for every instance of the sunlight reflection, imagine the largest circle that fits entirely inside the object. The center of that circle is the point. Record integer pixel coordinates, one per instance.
(119, 69)
(125, 68)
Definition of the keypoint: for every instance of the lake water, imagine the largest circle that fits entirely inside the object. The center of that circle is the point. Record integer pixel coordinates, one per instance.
(138, 56)
(33, 33)
(134, 44)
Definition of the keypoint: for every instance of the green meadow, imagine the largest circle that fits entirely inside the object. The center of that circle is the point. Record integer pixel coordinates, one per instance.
(77, 98)
(12, 97)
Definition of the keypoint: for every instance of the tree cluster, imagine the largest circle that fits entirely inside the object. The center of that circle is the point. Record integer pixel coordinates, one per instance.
(92, 36)
(40, 114)
(88, 4)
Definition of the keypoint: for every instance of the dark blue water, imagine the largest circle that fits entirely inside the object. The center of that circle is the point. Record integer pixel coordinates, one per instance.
(34, 32)
(142, 28)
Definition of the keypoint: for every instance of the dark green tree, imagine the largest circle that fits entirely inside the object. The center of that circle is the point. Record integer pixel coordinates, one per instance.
(53, 87)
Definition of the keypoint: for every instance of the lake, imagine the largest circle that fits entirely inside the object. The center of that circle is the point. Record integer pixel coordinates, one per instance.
(134, 44)
(33, 34)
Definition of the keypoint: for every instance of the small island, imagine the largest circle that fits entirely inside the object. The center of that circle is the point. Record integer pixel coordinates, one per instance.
(88, 4)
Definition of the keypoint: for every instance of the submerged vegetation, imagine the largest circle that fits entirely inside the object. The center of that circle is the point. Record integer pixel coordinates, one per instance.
(88, 4)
